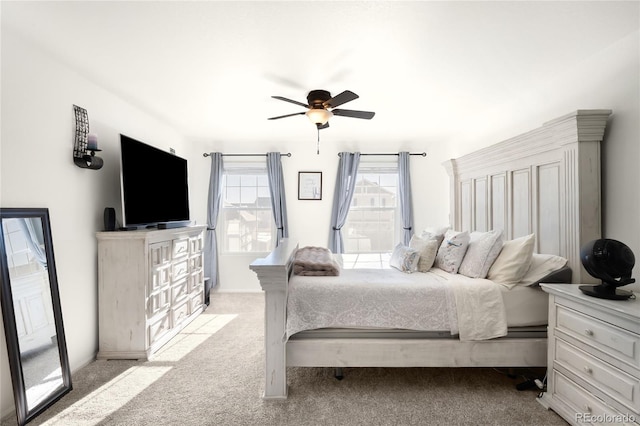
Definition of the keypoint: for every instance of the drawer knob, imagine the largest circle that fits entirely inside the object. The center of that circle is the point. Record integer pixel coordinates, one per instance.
(588, 369)
(588, 332)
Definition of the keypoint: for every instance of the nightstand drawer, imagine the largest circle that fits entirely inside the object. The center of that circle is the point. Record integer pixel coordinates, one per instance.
(588, 409)
(606, 337)
(625, 388)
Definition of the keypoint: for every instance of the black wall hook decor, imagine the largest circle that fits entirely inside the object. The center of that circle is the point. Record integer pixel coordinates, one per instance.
(86, 145)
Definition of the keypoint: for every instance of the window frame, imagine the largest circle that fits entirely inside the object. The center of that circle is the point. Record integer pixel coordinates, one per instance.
(244, 168)
(378, 167)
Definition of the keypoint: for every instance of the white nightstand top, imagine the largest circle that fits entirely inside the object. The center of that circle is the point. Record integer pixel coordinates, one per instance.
(629, 308)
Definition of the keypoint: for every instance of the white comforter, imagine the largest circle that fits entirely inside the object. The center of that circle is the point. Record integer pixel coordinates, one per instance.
(432, 301)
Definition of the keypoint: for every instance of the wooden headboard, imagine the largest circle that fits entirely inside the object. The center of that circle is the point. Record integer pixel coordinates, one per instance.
(546, 181)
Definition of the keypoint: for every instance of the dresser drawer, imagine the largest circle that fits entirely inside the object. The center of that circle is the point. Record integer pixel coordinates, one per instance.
(179, 313)
(588, 409)
(196, 301)
(623, 387)
(606, 337)
(196, 281)
(180, 248)
(196, 244)
(180, 269)
(158, 328)
(196, 262)
(160, 277)
(158, 301)
(179, 291)
(159, 253)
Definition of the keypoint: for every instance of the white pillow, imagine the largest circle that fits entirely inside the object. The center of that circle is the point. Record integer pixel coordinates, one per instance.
(404, 259)
(541, 266)
(436, 232)
(452, 250)
(428, 247)
(484, 248)
(513, 261)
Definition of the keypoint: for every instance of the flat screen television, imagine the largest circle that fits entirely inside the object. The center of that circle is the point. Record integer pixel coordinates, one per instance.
(154, 186)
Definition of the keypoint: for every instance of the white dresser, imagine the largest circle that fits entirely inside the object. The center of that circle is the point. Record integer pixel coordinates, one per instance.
(593, 370)
(150, 286)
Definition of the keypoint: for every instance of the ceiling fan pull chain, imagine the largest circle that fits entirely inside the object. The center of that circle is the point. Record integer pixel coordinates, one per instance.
(318, 142)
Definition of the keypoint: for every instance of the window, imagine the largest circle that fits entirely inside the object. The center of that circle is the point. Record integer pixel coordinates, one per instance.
(246, 220)
(373, 222)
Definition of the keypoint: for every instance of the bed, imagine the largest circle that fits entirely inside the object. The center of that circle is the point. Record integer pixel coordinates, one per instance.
(544, 182)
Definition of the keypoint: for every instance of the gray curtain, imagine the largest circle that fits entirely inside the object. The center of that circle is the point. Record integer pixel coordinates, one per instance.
(278, 200)
(404, 186)
(213, 209)
(32, 229)
(345, 183)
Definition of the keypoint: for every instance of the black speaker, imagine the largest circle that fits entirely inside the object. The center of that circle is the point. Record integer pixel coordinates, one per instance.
(109, 219)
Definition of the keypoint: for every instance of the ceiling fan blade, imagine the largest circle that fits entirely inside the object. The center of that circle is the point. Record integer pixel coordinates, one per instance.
(340, 99)
(290, 100)
(288, 115)
(367, 115)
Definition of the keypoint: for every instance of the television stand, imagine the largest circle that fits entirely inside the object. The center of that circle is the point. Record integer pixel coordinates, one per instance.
(150, 286)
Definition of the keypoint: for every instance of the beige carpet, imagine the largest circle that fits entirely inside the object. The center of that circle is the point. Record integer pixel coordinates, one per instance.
(211, 374)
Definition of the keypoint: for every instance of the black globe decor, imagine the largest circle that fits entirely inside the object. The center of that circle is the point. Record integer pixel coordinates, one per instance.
(612, 262)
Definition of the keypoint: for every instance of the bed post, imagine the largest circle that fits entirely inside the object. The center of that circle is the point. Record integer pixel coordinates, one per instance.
(273, 273)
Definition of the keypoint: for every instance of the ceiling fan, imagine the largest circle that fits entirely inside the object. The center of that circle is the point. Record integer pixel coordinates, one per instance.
(321, 107)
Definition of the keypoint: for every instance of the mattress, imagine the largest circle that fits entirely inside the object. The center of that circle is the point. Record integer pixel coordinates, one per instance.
(471, 308)
(525, 306)
(311, 308)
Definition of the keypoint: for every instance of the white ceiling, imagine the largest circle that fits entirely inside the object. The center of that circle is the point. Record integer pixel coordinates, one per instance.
(428, 69)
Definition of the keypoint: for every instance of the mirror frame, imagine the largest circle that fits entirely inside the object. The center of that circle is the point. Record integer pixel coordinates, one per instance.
(23, 413)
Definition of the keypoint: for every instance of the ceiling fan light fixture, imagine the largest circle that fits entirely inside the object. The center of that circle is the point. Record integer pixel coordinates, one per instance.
(319, 115)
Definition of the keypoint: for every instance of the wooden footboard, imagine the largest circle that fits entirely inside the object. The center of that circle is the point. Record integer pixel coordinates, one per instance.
(518, 352)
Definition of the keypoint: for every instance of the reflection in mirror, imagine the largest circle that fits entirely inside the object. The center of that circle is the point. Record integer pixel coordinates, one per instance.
(33, 318)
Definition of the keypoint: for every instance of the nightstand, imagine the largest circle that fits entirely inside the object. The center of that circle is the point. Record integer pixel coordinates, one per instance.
(593, 364)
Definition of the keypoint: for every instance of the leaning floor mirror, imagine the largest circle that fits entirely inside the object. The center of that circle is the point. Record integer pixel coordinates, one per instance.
(31, 312)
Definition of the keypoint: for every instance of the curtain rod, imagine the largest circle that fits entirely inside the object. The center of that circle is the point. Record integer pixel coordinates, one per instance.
(207, 154)
(423, 154)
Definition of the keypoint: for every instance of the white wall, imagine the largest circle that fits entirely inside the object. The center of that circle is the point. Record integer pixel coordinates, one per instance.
(37, 170)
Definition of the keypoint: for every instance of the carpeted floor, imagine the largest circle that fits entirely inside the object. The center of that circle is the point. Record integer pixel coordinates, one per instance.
(212, 374)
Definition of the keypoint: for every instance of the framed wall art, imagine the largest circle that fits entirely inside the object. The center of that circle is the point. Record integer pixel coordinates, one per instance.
(309, 185)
